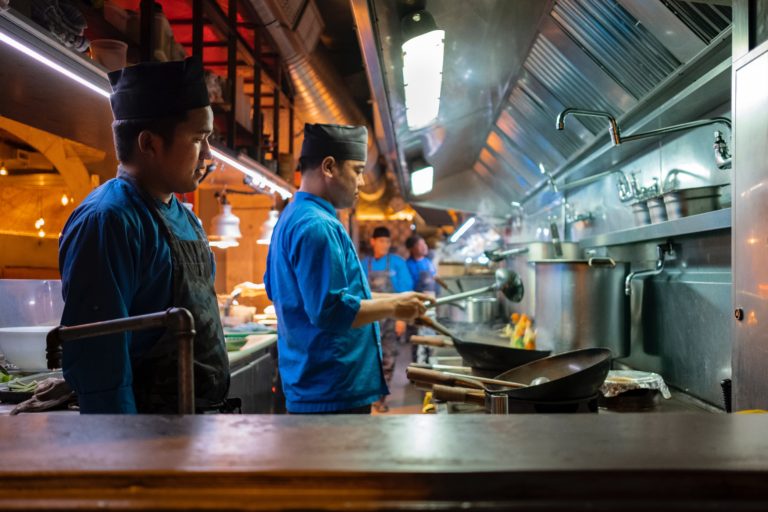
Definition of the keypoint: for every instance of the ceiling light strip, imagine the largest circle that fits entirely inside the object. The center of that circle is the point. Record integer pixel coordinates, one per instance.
(219, 155)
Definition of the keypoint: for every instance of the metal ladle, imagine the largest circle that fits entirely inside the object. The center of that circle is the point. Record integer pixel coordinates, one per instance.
(506, 282)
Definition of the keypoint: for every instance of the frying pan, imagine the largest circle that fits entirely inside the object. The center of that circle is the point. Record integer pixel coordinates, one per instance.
(572, 375)
(485, 356)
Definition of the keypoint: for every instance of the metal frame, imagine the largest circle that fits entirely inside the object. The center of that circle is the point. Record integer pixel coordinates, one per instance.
(178, 320)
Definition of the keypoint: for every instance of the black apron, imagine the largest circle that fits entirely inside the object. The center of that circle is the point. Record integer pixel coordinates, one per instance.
(155, 375)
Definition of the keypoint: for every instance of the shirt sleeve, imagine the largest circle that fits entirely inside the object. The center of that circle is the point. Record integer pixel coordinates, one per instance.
(402, 282)
(98, 257)
(319, 261)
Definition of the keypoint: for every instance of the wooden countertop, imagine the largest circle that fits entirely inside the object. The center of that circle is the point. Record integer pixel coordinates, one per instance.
(396, 461)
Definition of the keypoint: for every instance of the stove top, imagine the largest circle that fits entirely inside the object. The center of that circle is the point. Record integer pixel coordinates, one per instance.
(578, 406)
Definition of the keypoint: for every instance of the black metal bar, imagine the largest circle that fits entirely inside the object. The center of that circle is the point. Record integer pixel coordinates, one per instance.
(256, 123)
(147, 19)
(197, 28)
(179, 323)
(290, 130)
(276, 115)
(232, 72)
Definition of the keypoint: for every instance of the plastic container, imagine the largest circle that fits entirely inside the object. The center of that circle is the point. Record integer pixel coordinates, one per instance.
(25, 347)
(110, 53)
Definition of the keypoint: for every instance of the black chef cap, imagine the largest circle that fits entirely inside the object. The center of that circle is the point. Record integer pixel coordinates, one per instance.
(340, 142)
(157, 89)
(381, 232)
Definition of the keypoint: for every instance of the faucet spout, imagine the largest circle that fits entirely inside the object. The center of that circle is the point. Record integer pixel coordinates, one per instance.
(613, 127)
(661, 251)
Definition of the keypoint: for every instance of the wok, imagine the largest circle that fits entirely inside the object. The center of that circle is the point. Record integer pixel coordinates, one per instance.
(485, 356)
(572, 375)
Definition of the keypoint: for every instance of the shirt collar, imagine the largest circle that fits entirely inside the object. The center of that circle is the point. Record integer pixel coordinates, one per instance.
(306, 196)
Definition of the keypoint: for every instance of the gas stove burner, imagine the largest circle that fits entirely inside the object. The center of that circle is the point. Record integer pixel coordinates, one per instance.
(580, 405)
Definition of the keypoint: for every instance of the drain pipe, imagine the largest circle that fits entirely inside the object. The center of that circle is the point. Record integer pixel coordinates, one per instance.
(662, 250)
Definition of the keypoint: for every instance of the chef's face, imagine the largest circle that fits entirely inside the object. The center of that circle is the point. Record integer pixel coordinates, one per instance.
(380, 246)
(420, 249)
(344, 179)
(178, 164)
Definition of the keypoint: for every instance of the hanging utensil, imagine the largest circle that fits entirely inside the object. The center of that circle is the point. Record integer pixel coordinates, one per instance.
(506, 282)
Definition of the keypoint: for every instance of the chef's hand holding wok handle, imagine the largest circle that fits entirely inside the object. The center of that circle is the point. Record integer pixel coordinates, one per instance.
(410, 305)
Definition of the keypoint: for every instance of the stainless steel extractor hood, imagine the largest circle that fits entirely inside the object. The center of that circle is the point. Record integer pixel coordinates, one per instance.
(510, 68)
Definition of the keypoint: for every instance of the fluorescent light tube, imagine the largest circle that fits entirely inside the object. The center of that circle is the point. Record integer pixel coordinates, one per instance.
(31, 52)
(423, 77)
(421, 180)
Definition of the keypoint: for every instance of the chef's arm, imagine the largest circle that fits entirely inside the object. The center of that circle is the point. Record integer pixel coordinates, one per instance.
(400, 306)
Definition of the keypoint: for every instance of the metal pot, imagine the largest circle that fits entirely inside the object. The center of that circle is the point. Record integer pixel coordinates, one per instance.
(640, 213)
(581, 304)
(474, 310)
(517, 257)
(691, 201)
(536, 251)
(656, 209)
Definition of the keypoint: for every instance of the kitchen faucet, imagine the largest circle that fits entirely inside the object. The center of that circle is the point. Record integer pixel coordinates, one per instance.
(617, 138)
(663, 251)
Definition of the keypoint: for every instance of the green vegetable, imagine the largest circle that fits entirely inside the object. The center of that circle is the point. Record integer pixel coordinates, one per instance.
(23, 387)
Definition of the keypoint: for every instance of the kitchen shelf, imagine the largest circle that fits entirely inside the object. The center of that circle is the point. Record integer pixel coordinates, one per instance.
(695, 224)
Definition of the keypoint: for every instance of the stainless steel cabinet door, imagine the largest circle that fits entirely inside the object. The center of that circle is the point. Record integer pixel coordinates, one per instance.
(750, 231)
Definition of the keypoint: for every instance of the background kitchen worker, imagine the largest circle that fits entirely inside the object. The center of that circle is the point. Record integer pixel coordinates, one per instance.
(131, 248)
(424, 276)
(387, 273)
(328, 334)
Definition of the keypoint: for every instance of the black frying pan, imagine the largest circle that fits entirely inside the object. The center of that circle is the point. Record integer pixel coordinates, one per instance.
(486, 356)
(572, 375)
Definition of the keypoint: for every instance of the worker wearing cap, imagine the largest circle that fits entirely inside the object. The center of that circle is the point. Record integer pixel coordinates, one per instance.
(328, 336)
(131, 248)
(387, 273)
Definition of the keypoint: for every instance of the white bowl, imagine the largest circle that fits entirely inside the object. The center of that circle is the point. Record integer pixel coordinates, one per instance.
(25, 346)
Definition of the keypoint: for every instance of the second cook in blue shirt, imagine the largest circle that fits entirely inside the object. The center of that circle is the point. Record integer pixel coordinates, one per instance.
(329, 353)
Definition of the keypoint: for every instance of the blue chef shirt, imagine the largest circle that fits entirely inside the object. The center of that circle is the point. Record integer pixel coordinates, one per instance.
(416, 267)
(115, 262)
(315, 281)
(401, 278)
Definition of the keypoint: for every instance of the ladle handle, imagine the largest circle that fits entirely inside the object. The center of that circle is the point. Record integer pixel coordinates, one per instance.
(464, 295)
(454, 394)
(484, 380)
(431, 341)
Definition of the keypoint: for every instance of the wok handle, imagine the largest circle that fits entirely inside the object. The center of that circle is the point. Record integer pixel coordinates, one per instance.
(434, 377)
(434, 324)
(431, 341)
(453, 394)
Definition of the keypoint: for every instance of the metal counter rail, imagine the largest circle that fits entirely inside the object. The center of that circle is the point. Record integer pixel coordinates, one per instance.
(178, 320)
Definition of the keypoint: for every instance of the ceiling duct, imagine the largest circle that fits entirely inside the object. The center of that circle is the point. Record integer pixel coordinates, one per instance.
(320, 91)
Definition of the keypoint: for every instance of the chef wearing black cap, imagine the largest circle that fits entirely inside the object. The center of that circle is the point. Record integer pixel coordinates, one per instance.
(328, 334)
(132, 248)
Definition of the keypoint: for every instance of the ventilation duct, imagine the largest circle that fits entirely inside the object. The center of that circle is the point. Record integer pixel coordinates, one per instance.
(320, 92)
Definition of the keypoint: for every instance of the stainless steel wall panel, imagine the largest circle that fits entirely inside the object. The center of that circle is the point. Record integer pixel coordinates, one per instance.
(750, 231)
(706, 21)
(668, 30)
(538, 117)
(543, 96)
(625, 49)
